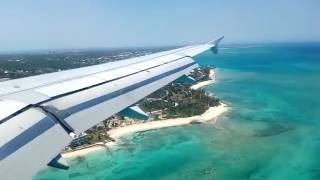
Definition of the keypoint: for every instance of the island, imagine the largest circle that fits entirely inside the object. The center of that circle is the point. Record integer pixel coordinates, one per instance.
(178, 103)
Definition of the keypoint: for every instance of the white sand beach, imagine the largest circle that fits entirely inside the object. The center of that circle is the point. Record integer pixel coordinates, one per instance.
(84, 151)
(202, 84)
(211, 114)
(87, 150)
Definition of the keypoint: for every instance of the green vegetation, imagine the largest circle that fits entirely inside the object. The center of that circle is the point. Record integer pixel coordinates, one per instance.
(180, 101)
(96, 135)
(195, 104)
(23, 64)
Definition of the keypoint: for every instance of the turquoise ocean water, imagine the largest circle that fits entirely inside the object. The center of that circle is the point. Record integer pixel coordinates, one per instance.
(272, 131)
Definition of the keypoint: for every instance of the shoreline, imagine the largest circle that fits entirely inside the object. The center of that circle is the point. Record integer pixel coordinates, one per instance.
(211, 114)
(202, 84)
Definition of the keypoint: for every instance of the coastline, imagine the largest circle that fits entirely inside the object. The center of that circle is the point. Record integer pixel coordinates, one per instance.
(202, 84)
(86, 150)
(211, 114)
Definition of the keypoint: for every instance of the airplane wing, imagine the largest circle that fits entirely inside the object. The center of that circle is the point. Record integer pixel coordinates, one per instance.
(40, 115)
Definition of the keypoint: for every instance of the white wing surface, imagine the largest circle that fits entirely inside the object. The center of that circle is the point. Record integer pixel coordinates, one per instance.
(40, 115)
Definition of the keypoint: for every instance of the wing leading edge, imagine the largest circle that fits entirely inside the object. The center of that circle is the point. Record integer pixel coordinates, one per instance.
(40, 115)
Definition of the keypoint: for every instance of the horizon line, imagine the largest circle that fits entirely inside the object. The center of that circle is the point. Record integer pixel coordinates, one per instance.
(39, 50)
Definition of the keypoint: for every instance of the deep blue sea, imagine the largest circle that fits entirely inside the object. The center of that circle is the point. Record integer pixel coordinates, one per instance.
(272, 131)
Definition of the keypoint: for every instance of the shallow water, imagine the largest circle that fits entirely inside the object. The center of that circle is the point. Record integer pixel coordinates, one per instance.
(271, 132)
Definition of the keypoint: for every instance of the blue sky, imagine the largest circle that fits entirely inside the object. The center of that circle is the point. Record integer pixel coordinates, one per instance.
(41, 24)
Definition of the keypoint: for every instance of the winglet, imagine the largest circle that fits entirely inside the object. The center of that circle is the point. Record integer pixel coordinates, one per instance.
(214, 44)
(216, 41)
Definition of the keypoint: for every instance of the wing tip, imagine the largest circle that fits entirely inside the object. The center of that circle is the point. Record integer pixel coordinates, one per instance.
(216, 41)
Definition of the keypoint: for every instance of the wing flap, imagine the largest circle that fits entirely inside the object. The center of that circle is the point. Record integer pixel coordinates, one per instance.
(28, 141)
(9, 107)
